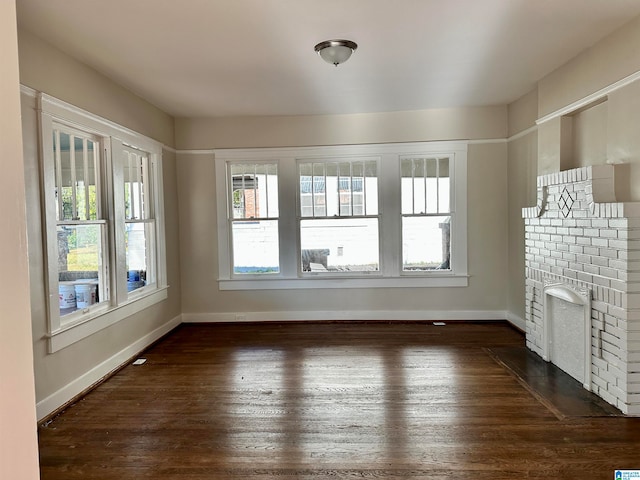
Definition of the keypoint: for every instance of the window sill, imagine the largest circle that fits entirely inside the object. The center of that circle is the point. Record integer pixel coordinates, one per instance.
(445, 280)
(77, 330)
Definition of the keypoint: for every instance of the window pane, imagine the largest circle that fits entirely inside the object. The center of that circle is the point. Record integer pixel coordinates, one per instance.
(444, 183)
(321, 191)
(371, 187)
(136, 166)
(430, 186)
(345, 190)
(425, 186)
(79, 263)
(254, 190)
(426, 243)
(255, 247)
(138, 238)
(340, 245)
(338, 189)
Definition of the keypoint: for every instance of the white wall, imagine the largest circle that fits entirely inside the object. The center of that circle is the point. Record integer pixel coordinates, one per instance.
(18, 441)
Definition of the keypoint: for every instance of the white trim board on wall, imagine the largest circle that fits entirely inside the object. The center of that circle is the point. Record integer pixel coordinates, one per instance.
(70, 391)
(589, 99)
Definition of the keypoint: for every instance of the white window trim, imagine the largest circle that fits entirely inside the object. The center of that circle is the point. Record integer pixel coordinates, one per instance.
(122, 305)
(390, 274)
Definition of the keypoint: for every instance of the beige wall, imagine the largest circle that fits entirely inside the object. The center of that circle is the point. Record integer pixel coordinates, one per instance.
(78, 85)
(487, 200)
(622, 139)
(521, 192)
(589, 136)
(297, 131)
(606, 62)
(18, 441)
(606, 130)
(523, 113)
(47, 69)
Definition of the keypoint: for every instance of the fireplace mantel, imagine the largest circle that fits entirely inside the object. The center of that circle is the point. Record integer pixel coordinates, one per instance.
(578, 236)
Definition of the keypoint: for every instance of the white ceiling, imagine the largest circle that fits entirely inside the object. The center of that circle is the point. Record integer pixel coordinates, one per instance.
(213, 58)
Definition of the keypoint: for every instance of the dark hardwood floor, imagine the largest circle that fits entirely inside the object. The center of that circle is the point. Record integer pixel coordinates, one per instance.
(329, 401)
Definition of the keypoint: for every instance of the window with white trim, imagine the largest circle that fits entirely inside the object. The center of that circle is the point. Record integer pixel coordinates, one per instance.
(253, 218)
(103, 217)
(140, 224)
(339, 216)
(81, 226)
(360, 216)
(426, 214)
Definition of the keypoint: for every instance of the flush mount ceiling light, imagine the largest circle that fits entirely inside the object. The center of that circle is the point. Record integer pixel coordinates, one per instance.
(335, 51)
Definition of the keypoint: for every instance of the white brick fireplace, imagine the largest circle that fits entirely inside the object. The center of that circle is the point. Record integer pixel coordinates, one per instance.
(583, 282)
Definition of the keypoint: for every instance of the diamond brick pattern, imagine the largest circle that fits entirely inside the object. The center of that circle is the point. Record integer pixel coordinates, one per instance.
(566, 202)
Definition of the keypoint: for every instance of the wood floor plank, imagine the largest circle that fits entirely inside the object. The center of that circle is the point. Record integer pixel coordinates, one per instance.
(328, 400)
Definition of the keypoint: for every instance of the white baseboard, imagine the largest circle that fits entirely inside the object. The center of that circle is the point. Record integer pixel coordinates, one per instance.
(82, 383)
(315, 315)
(516, 321)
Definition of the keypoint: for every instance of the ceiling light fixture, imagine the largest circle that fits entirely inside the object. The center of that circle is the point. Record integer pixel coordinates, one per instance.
(336, 51)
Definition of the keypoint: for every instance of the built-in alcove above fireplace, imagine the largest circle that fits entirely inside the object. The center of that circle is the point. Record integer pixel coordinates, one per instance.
(583, 282)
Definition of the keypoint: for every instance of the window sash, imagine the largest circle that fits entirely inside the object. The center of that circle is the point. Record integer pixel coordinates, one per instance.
(425, 185)
(246, 197)
(78, 255)
(326, 188)
(342, 245)
(137, 187)
(78, 186)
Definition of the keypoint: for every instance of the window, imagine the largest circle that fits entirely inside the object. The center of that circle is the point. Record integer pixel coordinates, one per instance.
(80, 223)
(254, 218)
(360, 216)
(426, 214)
(104, 232)
(140, 225)
(339, 216)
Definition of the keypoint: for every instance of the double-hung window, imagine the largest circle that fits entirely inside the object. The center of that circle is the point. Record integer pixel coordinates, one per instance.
(81, 244)
(253, 218)
(140, 224)
(426, 214)
(354, 216)
(103, 221)
(339, 216)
